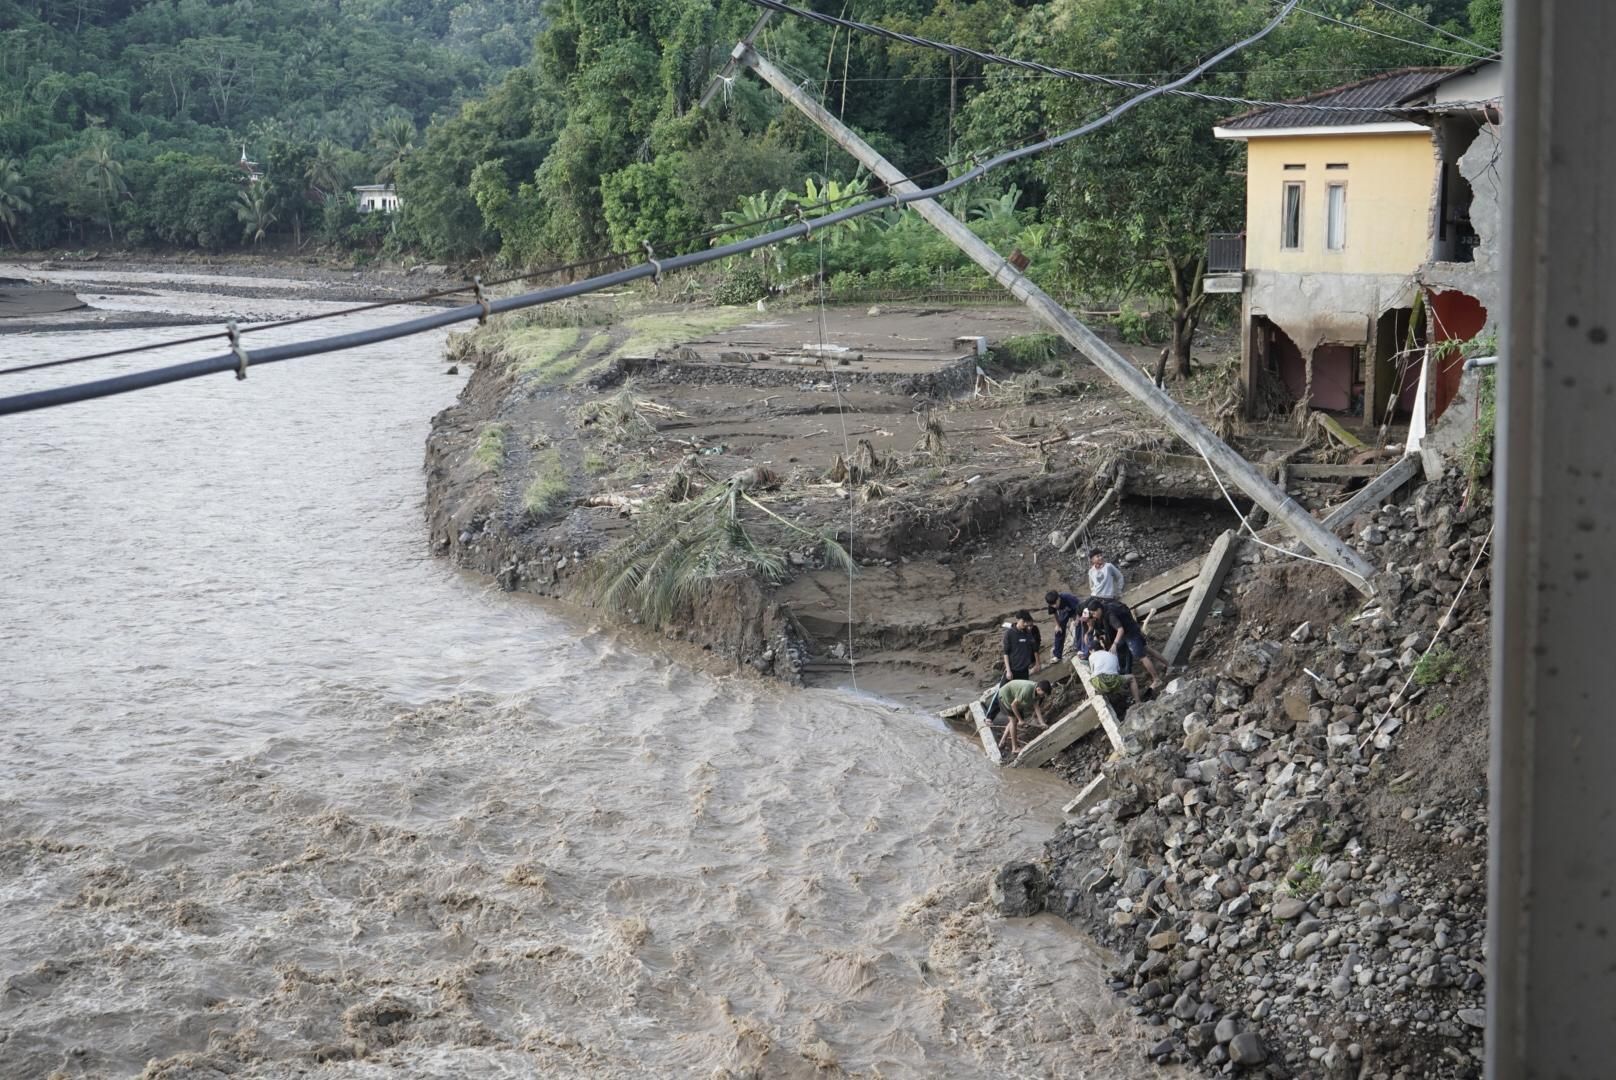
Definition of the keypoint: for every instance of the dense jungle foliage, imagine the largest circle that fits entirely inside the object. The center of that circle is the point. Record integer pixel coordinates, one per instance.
(541, 132)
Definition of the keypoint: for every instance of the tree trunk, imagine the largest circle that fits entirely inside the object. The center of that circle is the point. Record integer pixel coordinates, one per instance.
(1185, 276)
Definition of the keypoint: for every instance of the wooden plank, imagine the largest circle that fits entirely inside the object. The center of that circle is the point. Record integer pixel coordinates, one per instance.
(1149, 590)
(1102, 707)
(984, 731)
(1166, 602)
(1333, 426)
(1134, 382)
(1092, 792)
(1061, 734)
(1313, 471)
(1205, 593)
(1105, 503)
(1382, 487)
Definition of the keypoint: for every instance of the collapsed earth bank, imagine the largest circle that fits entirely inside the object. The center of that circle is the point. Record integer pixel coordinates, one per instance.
(1291, 855)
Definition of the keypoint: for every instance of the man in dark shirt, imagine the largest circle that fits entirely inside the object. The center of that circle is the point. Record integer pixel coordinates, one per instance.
(1113, 620)
(1022, 644)
(1065, 607)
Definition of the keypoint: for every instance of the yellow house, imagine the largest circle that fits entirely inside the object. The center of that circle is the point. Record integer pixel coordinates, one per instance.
(1348, 206)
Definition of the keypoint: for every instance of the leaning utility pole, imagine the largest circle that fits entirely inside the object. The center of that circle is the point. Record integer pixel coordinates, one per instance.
(1281, 507)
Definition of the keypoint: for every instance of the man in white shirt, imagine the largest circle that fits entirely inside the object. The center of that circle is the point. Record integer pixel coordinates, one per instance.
(1108, 677)
(1105, 580)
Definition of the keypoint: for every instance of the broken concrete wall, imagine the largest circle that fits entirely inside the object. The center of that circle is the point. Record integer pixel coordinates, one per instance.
(1482, 167)
(1315, 309)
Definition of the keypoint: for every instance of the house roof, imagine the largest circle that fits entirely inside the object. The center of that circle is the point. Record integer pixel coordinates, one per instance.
(1373, 97)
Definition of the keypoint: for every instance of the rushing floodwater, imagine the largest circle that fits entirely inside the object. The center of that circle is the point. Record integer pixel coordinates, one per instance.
(282, 795)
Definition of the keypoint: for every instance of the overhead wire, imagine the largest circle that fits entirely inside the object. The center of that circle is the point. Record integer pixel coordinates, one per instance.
(239, 360)
(1173, 87)
(527, 275)
(1490, 52)
(1472, 57)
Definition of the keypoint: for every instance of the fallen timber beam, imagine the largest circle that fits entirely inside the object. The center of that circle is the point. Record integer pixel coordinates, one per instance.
(1107, 500)
(1370, 495)
(1281, 507)
(1162, 583)
(984, 731)
(1202, 597)
(1061, 734)
(1092, 792)
(1102, 708)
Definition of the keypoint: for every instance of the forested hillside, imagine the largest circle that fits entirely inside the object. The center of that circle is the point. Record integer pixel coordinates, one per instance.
(122, 120)
(595, 145)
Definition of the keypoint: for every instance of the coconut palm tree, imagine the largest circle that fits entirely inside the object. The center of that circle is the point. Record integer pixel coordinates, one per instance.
(325, 172)
(255, 209)
(394, 140)
(14, 196)
(106, 173)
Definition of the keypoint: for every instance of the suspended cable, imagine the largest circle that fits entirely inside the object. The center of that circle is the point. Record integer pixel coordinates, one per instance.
(1432, 26)
(230, 361)
(1085, 76)
(1472, 57)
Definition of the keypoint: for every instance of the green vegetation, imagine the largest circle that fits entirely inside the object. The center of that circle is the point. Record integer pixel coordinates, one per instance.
(540, 351)
(490, 449)
(549, 487)
(1436, 665)
(1025, 352)
(122, 121)
(677, 549)
(648, 333)
(595, 463)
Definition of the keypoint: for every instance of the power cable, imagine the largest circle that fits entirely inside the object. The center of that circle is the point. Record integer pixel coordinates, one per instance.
(238, 360)
(1085, 76)
(1432, 26)
(705, 236)
(1472, 57)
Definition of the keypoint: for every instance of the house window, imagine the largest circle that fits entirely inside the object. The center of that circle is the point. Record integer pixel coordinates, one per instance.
(1290, 223)
(1335, 217)
(1336, 165)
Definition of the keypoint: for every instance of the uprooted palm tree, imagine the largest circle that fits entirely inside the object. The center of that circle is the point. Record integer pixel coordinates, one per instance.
(680, 548)
(14, 196)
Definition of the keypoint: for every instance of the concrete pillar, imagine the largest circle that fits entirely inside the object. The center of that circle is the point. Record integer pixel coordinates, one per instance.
(1552, 870)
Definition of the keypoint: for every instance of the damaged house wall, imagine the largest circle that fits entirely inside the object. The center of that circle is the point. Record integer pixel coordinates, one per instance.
(1318, 295)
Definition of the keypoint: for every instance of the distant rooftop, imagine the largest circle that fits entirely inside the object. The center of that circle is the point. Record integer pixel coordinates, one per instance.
(1373, 96)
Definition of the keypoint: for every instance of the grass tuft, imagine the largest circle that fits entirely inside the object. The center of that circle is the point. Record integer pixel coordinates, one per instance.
(649, 333)
(1436, 665)
(490, 449)
(549, 487)
(595, 463)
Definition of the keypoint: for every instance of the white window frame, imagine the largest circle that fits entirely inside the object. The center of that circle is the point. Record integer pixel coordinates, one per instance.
(1284, 214)
(1335, 224)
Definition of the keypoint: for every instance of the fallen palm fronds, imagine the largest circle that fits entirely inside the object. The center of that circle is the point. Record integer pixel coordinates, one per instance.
(625, 416)
(679, 548)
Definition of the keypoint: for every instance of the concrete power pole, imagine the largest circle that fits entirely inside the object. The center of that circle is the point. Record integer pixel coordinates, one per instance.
(1281, 507)
(1551, 919)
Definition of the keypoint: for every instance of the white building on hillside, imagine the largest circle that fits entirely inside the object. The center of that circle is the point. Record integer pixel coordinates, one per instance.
(383, 197)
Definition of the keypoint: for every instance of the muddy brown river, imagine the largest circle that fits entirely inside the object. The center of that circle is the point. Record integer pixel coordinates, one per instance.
(282, 795)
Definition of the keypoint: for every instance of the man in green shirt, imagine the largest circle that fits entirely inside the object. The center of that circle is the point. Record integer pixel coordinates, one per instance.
(1018, 696)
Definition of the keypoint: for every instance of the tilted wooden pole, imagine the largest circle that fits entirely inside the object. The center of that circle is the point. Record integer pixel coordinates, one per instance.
(1281, 507)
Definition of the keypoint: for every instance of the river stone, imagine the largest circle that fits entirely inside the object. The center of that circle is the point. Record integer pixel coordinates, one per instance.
(1018, 890)
(1247, 1048)
(1288, 907)
(1227, 1029)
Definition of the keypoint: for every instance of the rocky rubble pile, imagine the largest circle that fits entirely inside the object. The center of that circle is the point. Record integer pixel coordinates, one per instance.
(1275, 917)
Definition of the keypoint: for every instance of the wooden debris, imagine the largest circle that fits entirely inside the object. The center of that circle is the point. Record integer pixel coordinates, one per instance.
(1092, 792)
(984, 731)
(1201, 598)
(1107, 500)
(1337, 432)
(1102, 707)
(1061, 734)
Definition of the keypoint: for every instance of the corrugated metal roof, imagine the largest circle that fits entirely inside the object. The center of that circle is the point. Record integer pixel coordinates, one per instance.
(1373, 94)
